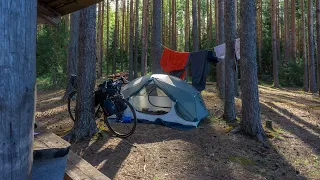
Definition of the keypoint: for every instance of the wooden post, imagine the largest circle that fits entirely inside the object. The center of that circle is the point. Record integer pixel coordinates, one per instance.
(18, 25)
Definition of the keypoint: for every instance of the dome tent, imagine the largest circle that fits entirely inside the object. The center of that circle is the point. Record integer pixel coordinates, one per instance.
(167, 100)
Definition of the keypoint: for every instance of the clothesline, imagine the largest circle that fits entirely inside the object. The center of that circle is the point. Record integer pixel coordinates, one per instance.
(184, 51)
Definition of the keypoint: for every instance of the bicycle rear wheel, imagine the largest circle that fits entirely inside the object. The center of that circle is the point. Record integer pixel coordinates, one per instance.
(72, 101)
(124, 121)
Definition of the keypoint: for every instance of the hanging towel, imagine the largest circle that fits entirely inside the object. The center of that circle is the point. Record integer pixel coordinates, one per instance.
(199, 69)
(174, 61)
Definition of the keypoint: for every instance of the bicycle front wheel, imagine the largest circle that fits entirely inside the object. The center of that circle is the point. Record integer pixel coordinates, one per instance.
(124, 121)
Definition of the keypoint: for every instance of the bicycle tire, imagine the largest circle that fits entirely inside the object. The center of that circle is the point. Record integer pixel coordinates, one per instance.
(69, 105)
(112, 129)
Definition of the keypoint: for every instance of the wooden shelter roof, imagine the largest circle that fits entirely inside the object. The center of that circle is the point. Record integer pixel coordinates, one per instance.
(50, 11)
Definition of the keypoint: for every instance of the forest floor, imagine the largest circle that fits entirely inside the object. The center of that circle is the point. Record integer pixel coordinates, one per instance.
(208, 152)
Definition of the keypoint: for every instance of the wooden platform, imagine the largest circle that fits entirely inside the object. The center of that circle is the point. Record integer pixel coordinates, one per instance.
(79, 169)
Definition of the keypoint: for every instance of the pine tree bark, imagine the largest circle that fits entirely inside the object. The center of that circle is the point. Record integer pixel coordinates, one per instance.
(278, 30)
(99, 61)
(144, 49)
(259, 34)
(156, 37)
(221, 64)
(187, 27)
(216, 21)
(318, 41)
(135, 62)
(199, 22)
(286, 29)
(85, 125)
(274, 43)
(195, 30)
(312, 71)
(236, 75)
(101, 38)
(107, 41)
(230, 31)
(18, 26)
(174, 26)
(115, 40)
(73, 53)
(304, 50)
(250, 121)
(210, 23)
(122, 48)
(293, 30)
(131, 74)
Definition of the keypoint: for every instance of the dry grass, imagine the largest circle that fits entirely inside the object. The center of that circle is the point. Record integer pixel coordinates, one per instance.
(208, 152)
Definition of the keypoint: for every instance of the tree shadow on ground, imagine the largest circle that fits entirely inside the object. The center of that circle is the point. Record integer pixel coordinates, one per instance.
(155, 151)
(290, 125)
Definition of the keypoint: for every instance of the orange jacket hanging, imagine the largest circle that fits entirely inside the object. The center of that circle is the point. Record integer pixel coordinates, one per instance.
(173, 60)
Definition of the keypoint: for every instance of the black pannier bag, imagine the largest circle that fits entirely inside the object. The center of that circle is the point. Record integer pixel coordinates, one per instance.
(109, 107)
(121, 106)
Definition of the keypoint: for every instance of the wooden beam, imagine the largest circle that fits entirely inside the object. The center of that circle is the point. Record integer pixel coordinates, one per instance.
(47, 15)
(78, 168)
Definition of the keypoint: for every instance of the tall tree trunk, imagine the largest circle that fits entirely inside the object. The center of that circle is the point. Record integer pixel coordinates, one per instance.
(312, 71)
(199, 22)
(101, 38)
(274, 43)
(73, 53)
(293, 30)
(216, 21)
(259, 34)
(99, 68)
(156, 37)
(17, 87)
(131, 73)
(278, 30)
(236, 75)
(85, 125)
(187, 27)
(221, 66)
(304, 50)
(135, 62)
(286, 29)
(144, 49)
(115, 40)
(250, 121)
(122, 48)
(210, 23)
(173, 26)
(107, 41)
(230, 31)
(318, 41)
(195, 30)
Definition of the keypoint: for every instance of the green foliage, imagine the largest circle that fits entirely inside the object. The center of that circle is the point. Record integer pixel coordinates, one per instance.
(291, 74)
(52, 52)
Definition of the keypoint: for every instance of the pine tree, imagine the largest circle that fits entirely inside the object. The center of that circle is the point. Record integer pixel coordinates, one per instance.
(221, 66)
(144, 50)
(230, 31)
(131, 72)
(73, 53)
(312, 71)
(250, 121)
(195, 32)
(304, 50)
(274, 43)
(156, 37)
(85, 125)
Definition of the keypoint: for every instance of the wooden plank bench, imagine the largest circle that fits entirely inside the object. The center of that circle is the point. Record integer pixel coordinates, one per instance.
(50, 149)
(80, 169)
